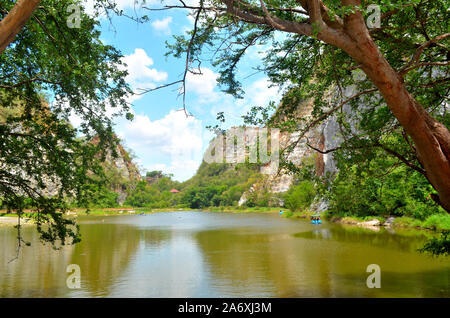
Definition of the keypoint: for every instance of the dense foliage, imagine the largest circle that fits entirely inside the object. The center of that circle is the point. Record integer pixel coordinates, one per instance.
(300, 196)
(156, 193)
(49, 72)
(438, 246)
(219, 184)
(213, 185)
(381, 187)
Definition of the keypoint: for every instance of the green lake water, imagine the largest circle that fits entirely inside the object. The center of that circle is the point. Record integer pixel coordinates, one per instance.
(200, 254)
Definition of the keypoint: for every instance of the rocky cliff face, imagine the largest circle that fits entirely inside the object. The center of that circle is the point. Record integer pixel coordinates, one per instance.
(123, 173)
(128, 171)
(120, 168)
(322, 137)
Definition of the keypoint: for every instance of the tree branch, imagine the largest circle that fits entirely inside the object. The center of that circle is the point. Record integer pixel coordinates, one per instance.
(416, 57)
(11, 25)
(328, 113)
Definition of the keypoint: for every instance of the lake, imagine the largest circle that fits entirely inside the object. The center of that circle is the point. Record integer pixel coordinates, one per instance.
(202, 254)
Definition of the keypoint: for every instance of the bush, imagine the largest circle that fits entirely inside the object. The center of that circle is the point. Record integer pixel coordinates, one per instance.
(98, 196)
(438, 246)
(363, 191)
(437, 222)
(301, 196)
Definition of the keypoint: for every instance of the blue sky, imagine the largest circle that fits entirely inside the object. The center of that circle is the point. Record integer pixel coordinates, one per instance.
(161, 136)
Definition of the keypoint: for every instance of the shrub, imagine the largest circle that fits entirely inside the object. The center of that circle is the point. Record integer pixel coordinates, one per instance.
(363, 191)
(437, 222)
(300, 196)
(438, 246)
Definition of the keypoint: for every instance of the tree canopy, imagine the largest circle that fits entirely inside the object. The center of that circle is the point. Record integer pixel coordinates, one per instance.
(49, 72)
(394, 76)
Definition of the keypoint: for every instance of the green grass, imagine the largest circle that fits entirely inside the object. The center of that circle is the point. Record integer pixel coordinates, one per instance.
(407, 222)
(436, 222)
(379, 218)
(7, 215)
(242, 209)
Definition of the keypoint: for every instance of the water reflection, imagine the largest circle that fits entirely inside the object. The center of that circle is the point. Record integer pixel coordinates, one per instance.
(37, 270)
(189, 254)
(103, 254)
(404, 240)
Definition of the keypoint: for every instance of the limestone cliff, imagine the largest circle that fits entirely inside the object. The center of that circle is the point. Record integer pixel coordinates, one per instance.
(324, 136)
(122, 173)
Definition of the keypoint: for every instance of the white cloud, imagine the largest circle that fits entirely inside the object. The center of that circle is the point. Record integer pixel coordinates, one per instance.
(162, 26)
(138, 68)
(75, 120)
(140, 74)
(175, 139)
(174, 134)
(258, 93)
(203, 84)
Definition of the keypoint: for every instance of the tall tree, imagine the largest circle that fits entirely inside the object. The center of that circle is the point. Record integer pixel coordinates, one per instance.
(407, 52)
(49, 72)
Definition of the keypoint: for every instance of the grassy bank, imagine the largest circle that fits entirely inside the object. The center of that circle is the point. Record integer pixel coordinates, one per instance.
(242, 209)
(131, 210)
(435, 222)
(147, 210)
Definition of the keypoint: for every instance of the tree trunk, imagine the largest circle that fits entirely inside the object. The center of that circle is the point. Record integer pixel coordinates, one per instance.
(15, 20)
(432, 139)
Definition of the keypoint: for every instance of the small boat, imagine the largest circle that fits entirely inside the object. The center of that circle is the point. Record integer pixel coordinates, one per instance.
(315, 219)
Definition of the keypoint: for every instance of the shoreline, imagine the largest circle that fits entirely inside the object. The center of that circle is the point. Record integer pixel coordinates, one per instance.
(130, 210)
(372, 223)
(12, 221)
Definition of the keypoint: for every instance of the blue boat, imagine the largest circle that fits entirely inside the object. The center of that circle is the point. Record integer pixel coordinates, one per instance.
(315, 219)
